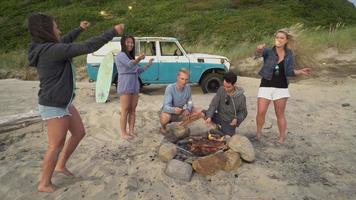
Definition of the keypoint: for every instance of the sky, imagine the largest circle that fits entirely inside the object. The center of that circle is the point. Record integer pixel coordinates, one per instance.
(353, 1)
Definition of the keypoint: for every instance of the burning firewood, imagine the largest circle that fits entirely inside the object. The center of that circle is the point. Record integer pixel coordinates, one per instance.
(206, 146)
(215, 137)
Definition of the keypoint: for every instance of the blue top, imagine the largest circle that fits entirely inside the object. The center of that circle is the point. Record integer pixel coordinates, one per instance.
(270, 60)
(128, 71)
(127, 66)
(177, 98)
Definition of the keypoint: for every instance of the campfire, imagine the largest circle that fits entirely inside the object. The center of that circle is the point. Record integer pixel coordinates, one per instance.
(206, 153)
(202, 146)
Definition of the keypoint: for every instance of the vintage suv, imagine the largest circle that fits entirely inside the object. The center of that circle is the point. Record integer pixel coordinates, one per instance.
(169, 56)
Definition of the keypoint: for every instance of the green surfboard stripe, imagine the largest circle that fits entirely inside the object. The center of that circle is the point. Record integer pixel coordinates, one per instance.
(104, 79)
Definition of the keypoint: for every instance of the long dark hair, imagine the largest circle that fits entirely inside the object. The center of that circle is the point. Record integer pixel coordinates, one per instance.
(130, 54)
(40, 27)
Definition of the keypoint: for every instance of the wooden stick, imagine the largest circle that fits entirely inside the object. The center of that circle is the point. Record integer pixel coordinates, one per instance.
(13, 122)
(189, 119)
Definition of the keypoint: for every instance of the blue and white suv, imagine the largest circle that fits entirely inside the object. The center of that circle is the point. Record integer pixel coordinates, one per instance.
(169, 56)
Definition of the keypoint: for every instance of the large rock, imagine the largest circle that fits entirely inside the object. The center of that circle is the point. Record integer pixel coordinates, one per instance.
(242, 145)
(209, 165)
(167, 151)
(170, 137)
(179, 170)
(233, 160)
(181, 132)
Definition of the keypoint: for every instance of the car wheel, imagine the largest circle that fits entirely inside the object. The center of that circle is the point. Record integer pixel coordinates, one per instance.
(116, 82)
(211, 82)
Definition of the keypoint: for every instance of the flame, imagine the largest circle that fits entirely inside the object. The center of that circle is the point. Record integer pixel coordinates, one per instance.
(212, 137)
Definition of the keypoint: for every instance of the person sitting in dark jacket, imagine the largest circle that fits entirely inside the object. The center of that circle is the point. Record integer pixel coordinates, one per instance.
(228, 107)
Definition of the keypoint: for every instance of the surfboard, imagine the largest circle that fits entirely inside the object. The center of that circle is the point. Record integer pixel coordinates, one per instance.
(104, 78)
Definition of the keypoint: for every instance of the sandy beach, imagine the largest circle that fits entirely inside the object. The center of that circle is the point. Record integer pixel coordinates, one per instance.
(317, 161)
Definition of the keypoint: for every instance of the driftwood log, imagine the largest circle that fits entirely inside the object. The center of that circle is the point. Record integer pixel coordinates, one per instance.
(13, 122)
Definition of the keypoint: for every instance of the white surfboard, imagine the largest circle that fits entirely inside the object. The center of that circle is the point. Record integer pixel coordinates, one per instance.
(104, 78)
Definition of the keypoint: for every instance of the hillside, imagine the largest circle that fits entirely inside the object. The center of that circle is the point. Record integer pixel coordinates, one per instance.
(224, 22)
(227, 27)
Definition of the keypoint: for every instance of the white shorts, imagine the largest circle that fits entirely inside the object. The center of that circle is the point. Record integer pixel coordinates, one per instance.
(273, 93)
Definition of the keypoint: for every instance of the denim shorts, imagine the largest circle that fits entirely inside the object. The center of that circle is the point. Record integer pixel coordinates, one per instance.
(49, 112)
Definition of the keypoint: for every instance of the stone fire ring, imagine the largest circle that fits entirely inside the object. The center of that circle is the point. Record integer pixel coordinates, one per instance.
(238, 148)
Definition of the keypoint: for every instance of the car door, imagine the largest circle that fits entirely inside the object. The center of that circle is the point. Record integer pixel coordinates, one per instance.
(171, 59)
(149, 49)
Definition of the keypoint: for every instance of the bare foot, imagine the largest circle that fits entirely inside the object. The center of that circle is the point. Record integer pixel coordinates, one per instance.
(133, 135)
(281, 141)
(46, 188)
(125, 137)
(64, 171)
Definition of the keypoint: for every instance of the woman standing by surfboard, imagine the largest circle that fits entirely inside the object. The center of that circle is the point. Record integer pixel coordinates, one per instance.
(129, 85)
(52, 56)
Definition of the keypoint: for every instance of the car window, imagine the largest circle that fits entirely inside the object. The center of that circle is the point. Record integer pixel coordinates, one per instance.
(148, 48)
(170, 49)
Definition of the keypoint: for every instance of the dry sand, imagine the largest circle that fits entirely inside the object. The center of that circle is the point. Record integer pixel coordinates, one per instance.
(317, 162)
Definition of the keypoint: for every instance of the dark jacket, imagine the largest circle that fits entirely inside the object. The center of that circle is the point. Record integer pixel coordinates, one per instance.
(231, 110)
(270, 60)
(53, 63)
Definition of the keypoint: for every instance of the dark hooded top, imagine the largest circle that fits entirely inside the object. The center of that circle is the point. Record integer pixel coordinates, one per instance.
(53, 63)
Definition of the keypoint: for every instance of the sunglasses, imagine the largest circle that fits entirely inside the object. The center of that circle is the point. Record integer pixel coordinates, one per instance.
(227, 100)
(276, 70)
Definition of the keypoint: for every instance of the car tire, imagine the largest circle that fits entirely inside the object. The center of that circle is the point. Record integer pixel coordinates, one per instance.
(116, 82)
(211, 82)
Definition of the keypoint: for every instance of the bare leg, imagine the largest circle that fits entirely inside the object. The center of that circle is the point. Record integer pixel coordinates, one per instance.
(125, 107)
(262, 107)
(132, 114)
(77, 131)
(164, 120)
(280, 107)
(57, 130)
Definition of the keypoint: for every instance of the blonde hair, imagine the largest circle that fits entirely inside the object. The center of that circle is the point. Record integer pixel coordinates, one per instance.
(183, 70)
(290, 37)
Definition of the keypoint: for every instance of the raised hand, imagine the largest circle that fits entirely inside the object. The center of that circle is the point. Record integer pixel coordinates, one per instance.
(150, 61)
(141, 57)
(84, 25)
(259, 48)
(304, 71)
(120, 28)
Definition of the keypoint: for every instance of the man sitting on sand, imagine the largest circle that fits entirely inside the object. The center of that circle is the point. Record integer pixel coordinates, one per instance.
(228, 107)
(177, 101)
